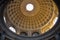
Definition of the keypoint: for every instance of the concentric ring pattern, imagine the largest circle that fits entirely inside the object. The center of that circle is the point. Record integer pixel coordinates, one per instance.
(39, 20)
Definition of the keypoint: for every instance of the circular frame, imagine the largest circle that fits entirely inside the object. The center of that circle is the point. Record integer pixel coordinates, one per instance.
(13, 35)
